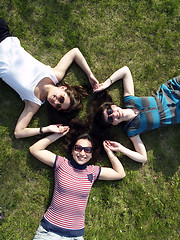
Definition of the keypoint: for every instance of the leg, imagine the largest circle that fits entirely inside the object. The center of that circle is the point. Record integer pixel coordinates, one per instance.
(4, 30)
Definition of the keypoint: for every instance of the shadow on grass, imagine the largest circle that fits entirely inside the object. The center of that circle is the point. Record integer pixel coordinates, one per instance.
(164, 143)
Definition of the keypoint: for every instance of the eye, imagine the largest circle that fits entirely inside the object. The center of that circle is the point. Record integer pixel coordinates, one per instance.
(79, 148)
(88, 149)
(109, 111)
(61, 99)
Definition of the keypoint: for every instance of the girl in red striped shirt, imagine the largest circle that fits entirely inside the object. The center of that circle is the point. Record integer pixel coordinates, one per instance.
(65, 217)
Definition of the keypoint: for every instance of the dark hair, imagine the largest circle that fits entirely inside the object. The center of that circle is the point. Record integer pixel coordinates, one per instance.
(76, 94)
(99, 117)
(64, 116)
(85, 135)
(81, 130)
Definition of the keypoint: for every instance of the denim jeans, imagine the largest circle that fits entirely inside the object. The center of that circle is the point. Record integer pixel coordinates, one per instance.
(43, 234)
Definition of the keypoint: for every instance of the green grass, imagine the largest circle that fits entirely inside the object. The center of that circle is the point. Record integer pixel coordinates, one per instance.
(143, 35)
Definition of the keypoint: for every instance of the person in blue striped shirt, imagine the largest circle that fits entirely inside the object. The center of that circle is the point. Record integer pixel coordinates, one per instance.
(140, 114)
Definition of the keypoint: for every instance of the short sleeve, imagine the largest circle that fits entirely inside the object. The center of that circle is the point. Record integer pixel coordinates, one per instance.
(95, 171)
(58, 161)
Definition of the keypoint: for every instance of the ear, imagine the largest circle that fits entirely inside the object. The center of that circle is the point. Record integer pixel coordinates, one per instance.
(63, 87)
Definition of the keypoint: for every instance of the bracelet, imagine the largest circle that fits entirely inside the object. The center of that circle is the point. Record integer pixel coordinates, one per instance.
(111, 81)
(40, 130)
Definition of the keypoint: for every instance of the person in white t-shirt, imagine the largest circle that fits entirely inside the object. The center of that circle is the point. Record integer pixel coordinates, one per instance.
(36, 82)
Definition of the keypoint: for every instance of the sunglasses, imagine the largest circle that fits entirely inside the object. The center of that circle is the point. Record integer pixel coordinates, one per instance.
(79, 148)
(61, 100)
(109, 112)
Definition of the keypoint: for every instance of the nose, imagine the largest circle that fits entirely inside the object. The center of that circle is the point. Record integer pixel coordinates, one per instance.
(82, 152)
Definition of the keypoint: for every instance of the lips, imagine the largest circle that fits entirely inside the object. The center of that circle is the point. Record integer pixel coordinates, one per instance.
(81, 158)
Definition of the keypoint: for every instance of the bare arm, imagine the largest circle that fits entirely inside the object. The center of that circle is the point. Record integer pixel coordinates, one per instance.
(76, 56)
(117, 170)
(123, 73)
(21, 129)
(139, 155)
(38, 150)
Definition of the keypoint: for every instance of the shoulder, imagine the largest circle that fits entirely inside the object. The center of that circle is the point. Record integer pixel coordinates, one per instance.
(94, 170)
(31, 105)
(59, 161)
(128, 97)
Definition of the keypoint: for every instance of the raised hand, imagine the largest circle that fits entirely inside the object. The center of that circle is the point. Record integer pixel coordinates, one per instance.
(56, 128)
(94, 82)
(113, 146)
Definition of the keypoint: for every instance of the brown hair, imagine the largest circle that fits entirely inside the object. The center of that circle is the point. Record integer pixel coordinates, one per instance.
(81, 130)
(99, 117)
(64, 116)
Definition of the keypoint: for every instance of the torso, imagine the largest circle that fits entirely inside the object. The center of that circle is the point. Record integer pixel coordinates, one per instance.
(23, 72)
(160, 110)
(71, 191)
(146, 115)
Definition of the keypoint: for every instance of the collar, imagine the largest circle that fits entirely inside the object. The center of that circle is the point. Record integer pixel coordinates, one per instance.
(77, 165)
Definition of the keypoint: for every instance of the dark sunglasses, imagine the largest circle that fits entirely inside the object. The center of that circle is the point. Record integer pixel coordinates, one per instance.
(61, 100)
(79, 148)
(109, 112)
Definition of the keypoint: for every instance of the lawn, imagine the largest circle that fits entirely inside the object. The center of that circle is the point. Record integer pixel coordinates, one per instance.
(144, 35)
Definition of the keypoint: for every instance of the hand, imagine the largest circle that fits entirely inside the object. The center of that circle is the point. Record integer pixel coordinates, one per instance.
(106, 146)
(56, 128)
(113, 146)
(100, 87)
(94, 82)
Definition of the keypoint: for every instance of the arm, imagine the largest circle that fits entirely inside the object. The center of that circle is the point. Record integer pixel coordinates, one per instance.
(117, 170)
(123, 73)
(38, 150)
(21, 130)
(139, 155)
(66, 61)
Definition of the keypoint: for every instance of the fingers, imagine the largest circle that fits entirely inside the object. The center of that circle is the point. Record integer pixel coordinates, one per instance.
(63, 129)
(98, 87)
(107, 144)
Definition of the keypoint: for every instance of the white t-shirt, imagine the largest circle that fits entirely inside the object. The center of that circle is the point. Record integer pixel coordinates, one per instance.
(21, 71)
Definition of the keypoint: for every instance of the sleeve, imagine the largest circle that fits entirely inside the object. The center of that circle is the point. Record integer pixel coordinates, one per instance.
(58, 161)
(96, 172)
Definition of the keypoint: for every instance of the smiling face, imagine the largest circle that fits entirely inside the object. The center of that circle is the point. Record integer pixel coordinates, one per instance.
(58, 98)
(113, 115)
(82, 151)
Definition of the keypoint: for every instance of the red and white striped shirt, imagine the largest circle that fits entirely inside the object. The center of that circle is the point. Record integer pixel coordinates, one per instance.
(73, 182)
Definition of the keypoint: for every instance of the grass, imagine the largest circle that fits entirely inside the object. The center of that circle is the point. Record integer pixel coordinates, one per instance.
(143, 35)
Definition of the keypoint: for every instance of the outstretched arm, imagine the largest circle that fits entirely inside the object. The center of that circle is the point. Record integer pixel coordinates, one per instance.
(117, 170)
(123, 73)
(76, 56)
(139, 155)
(38, 150)
(21, 129)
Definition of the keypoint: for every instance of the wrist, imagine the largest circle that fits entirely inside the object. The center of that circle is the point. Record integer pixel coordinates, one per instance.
(108, 82)
(111, 81)
(41, 131)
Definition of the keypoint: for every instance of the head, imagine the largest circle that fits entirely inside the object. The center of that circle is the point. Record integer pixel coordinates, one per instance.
(66, 98)
(108, 115)
(82, 148)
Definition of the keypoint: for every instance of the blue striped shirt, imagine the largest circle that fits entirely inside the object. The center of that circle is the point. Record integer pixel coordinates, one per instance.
(160, 110)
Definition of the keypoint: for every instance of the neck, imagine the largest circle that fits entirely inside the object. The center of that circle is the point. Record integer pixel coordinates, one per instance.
(77, 165)
(44, 86)
(130, 113)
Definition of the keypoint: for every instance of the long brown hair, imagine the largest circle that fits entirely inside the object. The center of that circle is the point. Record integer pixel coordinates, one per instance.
(76, 94)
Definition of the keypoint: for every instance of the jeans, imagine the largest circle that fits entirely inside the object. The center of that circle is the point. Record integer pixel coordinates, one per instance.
(43, 234)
